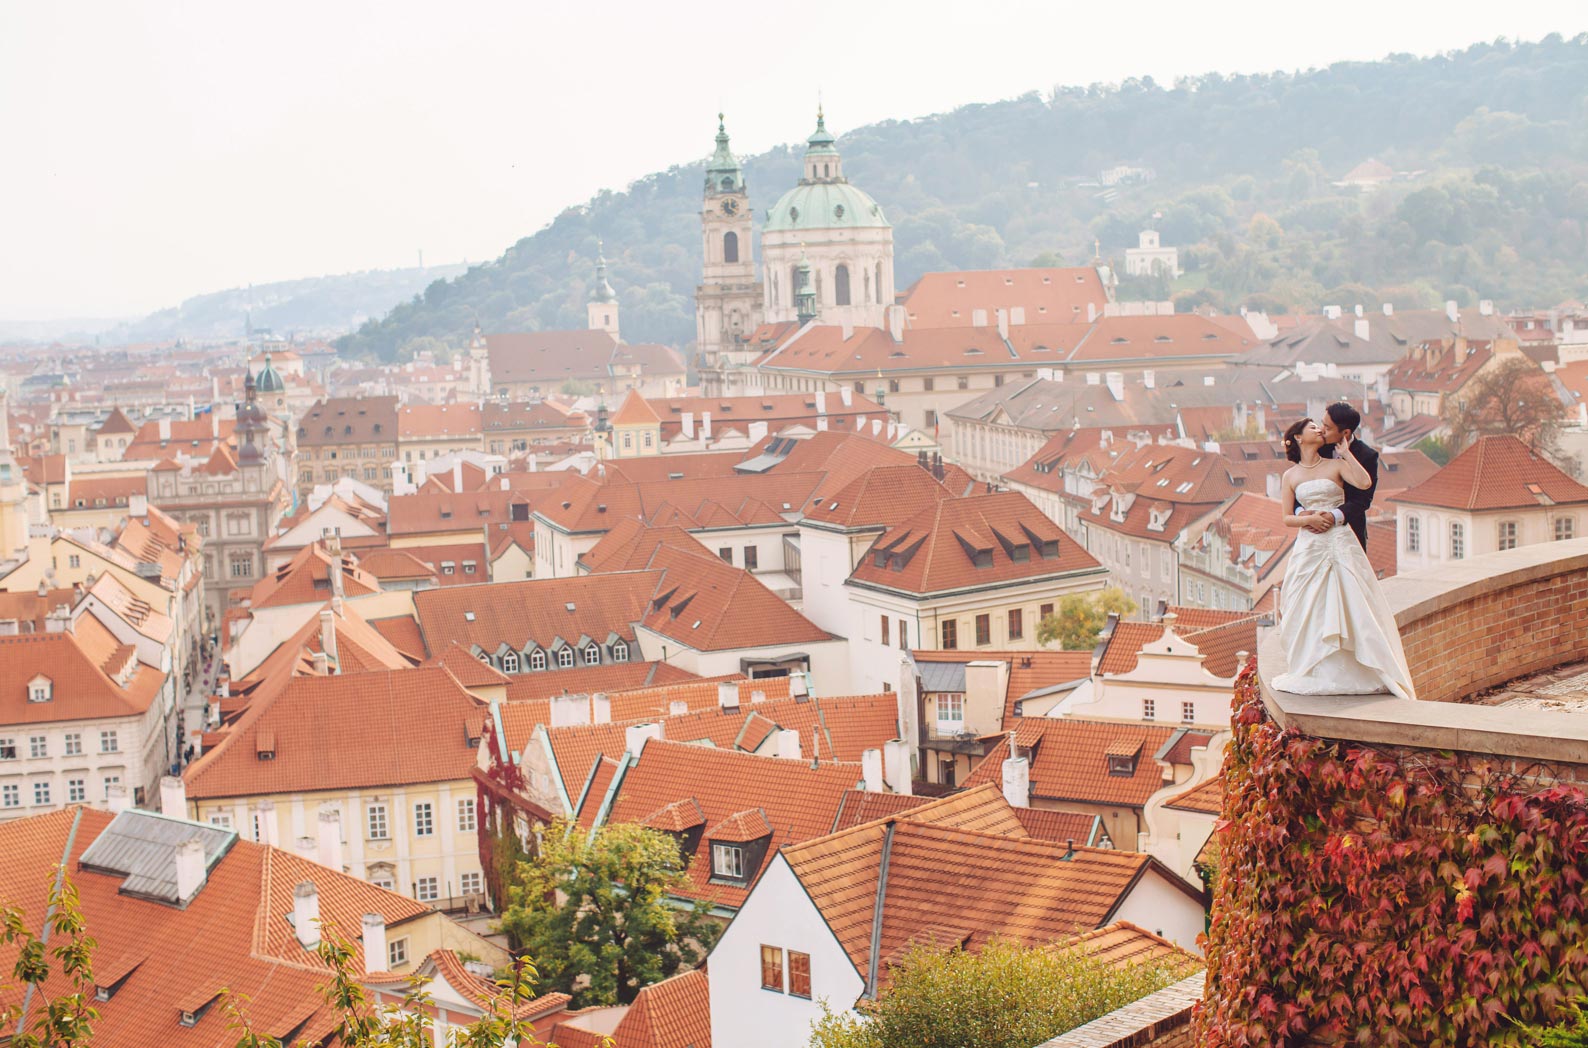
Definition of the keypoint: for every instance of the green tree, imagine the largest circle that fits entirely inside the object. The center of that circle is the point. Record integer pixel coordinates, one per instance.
(1002, 996)
(1572, 1033)
(1081, 616)
(68, 1018)
(593, 910)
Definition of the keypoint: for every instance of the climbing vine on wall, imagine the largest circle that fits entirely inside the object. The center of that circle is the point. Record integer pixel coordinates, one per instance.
(1388, 896)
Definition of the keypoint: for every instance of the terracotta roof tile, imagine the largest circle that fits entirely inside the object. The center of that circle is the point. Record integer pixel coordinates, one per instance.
(1063, 826)
(535, 611)
(84, 668)
(1497, 472)
(1069, 762)
(306, 579)
(1219, 635)
(950, 299)
(710, 605)
(1208, 798)
(748, 825)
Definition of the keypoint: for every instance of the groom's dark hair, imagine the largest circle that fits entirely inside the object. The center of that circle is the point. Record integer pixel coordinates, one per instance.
(1292, 445)
(1344, 415)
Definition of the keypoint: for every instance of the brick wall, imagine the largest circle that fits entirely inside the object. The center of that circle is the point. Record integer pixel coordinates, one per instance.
(1498, 633)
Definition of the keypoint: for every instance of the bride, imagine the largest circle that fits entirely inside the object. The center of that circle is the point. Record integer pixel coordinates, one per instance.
(1339, 634)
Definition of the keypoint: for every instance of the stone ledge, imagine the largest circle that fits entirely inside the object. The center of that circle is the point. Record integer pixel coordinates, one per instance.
(1140, 1022)
(1539, 735)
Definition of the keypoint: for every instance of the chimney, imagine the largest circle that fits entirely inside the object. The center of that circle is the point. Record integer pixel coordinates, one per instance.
(1331, 312)
(1116, 385)
(1017, 780)
(788, 744)
(896, 323)
(896, 765)
(1485, 307)
(1360, 328)
(799, 685)
(1017, 315)
(635, 736)
(1091, 312)
(1451, 312)
(306, 914)
(688, 425)
(1094, 379)
(978, 318)
(137, 506)
(330, 839)
(1149, 379)
(1389, 309)
(322, 665)
(269, 832)
(728, 695)
(375, 956)
(567, 710)
(758, 430)
(328, 634)
(190, 870)
(757, 696)
(821, 402)
(705, 425)
(336, 574)
(847, 395)
(457, 475)
(116, 798)
(1262, 417)
(165, 429)
(871, 772)
(600, 708)
(1003, 324)
(173, 797)
(1358, 309)
(677, 708)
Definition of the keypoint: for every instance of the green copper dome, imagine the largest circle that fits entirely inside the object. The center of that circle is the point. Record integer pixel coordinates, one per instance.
(269, 381)
(824, 205)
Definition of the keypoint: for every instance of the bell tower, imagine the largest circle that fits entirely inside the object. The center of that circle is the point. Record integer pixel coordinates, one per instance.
(728, 303)
(602, 310)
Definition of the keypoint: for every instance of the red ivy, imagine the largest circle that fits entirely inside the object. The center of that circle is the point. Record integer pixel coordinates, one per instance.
(1384, 896)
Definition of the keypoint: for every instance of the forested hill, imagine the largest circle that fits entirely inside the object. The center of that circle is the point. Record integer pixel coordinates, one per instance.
(1490, 146)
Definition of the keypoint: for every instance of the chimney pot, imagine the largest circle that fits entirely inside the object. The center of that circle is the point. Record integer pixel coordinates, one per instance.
(328, 633)
(1017, 780)
(600, 708)
(117, 799)
(788, 744)
(871, 772)
(306, 914)
(330, 839)
(173, 797)
(728, 695)
(635, 736)
(376, 958)
(191, 870)
(677, 708)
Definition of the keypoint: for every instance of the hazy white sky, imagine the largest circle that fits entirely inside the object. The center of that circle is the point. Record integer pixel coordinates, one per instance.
(155, 150)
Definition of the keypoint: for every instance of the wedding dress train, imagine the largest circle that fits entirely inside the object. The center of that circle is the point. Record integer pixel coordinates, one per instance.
(1339, 634)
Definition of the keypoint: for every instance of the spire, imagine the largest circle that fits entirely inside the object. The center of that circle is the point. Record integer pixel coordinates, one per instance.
(723, 174)
(822, 163)
(821, 140)
(603, 291)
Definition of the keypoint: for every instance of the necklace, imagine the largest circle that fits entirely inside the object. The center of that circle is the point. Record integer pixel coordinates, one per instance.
(1315, 465)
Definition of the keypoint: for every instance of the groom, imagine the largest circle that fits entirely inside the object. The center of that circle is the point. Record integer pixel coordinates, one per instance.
(1341, 420)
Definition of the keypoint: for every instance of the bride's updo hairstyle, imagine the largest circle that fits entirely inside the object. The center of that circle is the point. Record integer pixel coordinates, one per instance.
(1292, 445)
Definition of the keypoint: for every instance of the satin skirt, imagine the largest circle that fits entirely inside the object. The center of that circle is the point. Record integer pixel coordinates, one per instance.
(1339, 634)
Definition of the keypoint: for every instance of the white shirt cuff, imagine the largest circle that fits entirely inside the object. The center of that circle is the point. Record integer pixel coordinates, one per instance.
(1339, 517)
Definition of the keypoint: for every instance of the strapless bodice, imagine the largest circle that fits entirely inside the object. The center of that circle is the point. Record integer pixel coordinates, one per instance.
(1319, 494)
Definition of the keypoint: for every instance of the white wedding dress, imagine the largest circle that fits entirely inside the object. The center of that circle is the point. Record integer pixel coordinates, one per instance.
(1339, 634)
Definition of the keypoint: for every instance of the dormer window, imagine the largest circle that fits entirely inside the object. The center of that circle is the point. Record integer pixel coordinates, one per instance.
(727, 860)
(620, 652)
(1120, 765)
(40, 689)
(565, 658)
(592, 654)
(537, 660)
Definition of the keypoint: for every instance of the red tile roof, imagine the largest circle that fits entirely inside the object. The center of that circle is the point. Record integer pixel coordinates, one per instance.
(1178, 335)
(90, 673)
(535, 611)
(673, 1013)
(1497, 472)
(710, 605)
(438, 421)
(306, 579)
(939, 549)
(1208, 798)
(886, 495)
(1218, 635)
(1047, 295)
(1069, 760)
(1028, 670)
(382, 729)
(634, 411)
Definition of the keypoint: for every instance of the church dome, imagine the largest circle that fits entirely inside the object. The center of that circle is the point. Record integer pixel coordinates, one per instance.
(824, 205)
(269, 380)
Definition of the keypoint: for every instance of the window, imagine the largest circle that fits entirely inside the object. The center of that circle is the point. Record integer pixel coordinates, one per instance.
(752, 558)
(39, 691)
(74, 743)
(565, 658)
(1044, 612)
(726, 553)
(983, 629)
(926, 384)
(799, 974)
(727, 860)
(424, 819)
(41, 793)
(893, 385)
(472, 884)
(74, 561)
(841, 285)
(1506, 535)
(950, 635)
(108, 742)
(730, 247)
(221, 819)
(1458, 540)
(950, 711)
(396, 954)
(1188, 713)
(1149, 709)
(427, 889)
(931, 420)
(242, 565)
(468, 567)
(381, 877)
(38, 746)
(111, 780)
(772, 968)
(592, 654)
(510, 662)
(964, 382)
(1565, 528)
(904, 635)
(375, 816)
(76, 791)
(537, 660)
(620, 652)
(10, 796)
(1414, 534)
(466, 815)
(884, 629)
(1017, 624)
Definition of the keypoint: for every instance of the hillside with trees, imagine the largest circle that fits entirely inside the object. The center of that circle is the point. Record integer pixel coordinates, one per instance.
(1490, 196)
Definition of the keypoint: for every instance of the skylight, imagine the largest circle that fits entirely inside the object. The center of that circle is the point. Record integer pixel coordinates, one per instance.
(468, 616)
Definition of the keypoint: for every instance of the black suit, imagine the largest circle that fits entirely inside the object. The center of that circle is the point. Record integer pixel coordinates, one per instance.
(1357, 500)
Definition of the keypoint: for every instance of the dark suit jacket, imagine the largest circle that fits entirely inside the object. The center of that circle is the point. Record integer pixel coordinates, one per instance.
(1357, 500)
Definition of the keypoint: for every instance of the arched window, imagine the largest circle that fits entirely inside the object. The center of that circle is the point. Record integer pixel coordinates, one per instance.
(841, 285)
(565, 658)
(483, 657)
(537, 660)
(592, 654)
(730, 247)
(881, 291)
(620, 652)
(794, 288)
(727, 183)
(866, 282)
(510, 662)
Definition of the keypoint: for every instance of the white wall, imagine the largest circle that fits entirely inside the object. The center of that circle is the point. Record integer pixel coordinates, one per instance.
(777, 913)
(1163, 909)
